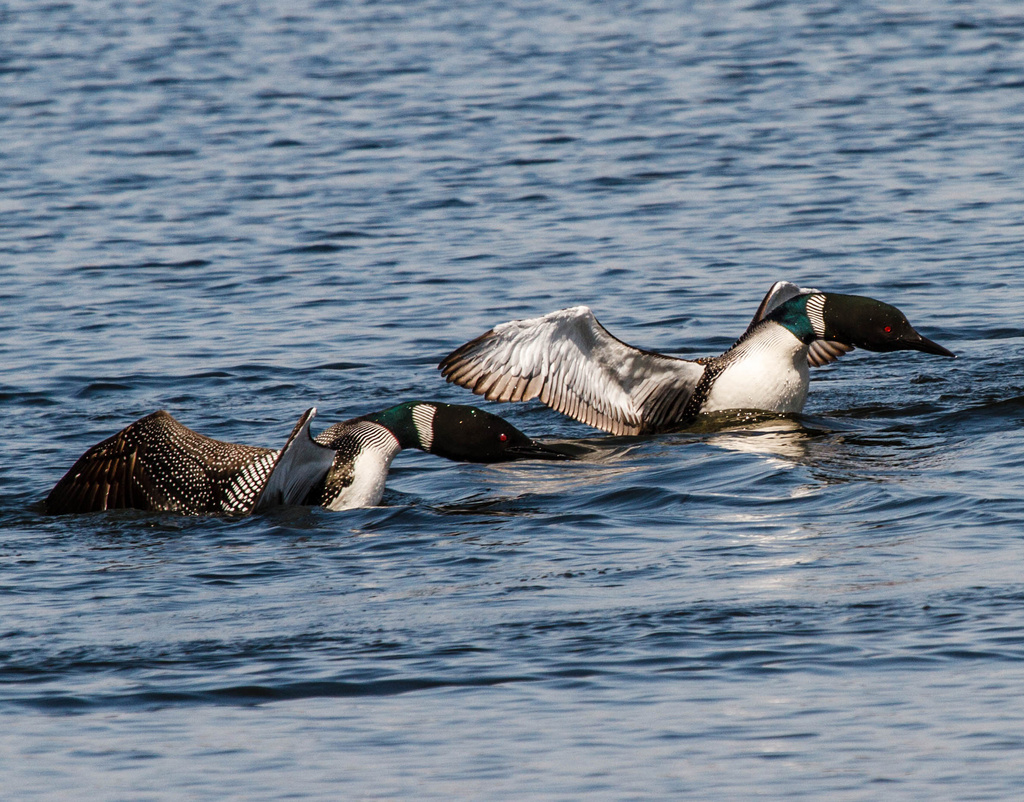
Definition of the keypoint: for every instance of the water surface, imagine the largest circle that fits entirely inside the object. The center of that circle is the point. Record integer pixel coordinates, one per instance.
(235, 211)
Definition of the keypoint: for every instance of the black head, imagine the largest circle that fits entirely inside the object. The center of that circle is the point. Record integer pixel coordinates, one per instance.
(869, 324)
(469, 434)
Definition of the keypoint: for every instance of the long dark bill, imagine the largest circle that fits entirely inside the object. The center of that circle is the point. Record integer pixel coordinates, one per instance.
(536, 450)
(921, 343)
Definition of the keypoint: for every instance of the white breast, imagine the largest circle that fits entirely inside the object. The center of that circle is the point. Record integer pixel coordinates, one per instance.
(769, 372)
(370, 471)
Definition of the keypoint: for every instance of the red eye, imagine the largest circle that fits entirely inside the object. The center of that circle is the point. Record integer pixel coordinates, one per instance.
(503, 437)
(887, 329)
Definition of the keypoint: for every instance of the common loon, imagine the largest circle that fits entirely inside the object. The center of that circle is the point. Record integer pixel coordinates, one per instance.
(575, 366)
(157, 463)
(365, 447)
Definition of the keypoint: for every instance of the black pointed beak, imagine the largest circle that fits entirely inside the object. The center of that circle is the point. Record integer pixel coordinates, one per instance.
(918, 342)
(535, 450)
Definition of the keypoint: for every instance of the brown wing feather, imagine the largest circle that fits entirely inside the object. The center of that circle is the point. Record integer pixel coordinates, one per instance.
(110, 475)
(157, 464)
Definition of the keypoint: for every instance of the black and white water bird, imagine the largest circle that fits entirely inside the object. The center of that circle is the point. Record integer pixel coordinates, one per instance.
(157, 463)
(574, 365)
(366, 446)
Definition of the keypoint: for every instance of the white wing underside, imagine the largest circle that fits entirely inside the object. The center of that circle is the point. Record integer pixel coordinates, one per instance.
(299, 465)
(570, 362)
(573, 364)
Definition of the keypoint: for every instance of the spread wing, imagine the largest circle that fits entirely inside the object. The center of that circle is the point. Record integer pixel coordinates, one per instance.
(161, 465)
(158, 464)
(777, 295)
(571, 362)
(301, 464)
(820, 352)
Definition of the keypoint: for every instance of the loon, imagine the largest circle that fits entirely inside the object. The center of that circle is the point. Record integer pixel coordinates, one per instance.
(159, 464)
(365, 447)
(575, 366)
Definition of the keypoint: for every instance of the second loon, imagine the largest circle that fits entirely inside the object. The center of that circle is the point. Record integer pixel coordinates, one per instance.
(575, 366)
(158, 464)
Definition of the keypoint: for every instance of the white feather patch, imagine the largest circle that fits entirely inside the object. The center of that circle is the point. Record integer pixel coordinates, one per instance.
(370, 466)
(768, 371)
(423, 419)
(816, 314)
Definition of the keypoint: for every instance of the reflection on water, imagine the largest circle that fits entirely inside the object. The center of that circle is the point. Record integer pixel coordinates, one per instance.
(785, 438)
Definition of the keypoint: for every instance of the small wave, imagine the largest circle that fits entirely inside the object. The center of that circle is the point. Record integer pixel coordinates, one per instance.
(254, 694)
(97, 389)
(995, 414)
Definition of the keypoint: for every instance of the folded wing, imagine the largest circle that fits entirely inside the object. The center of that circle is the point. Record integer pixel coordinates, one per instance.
(570, 362)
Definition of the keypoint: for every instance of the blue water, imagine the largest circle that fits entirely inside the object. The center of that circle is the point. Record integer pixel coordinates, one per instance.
(235, 211)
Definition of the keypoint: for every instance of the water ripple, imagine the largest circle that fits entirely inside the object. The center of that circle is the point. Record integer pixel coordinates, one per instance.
(235, 213)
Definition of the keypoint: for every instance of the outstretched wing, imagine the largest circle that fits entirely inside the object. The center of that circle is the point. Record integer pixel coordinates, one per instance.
(301, 464)
(820, 352)
(571, 362)
(158, 464)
